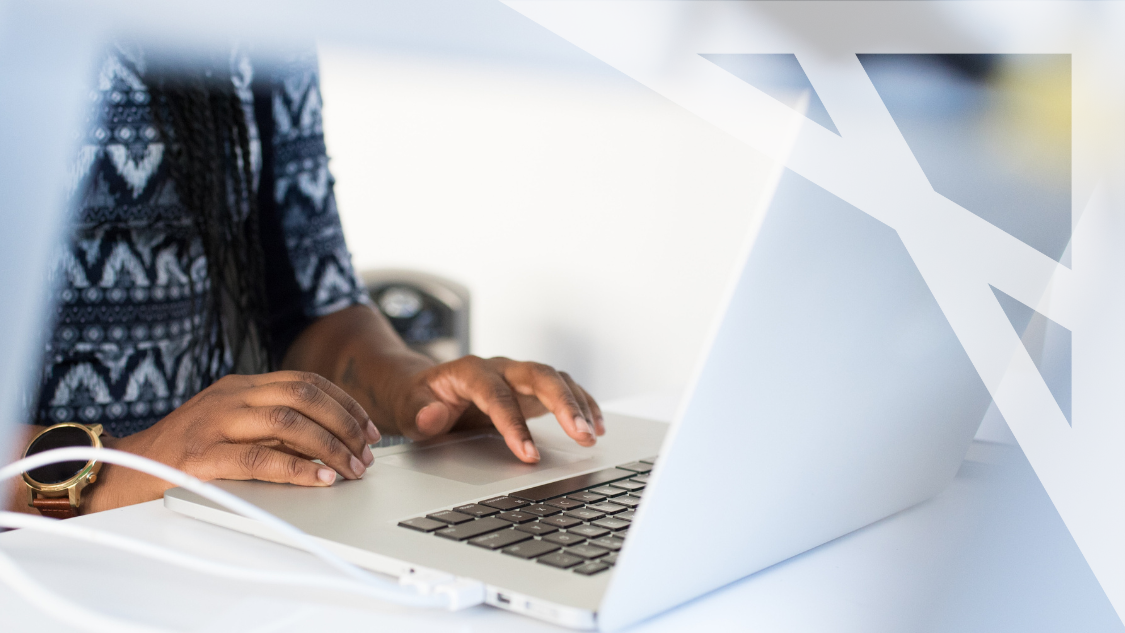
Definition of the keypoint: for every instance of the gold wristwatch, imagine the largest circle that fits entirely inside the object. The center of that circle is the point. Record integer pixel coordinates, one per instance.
(56, 489)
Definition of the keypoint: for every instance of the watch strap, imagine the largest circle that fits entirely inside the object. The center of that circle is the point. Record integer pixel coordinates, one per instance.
(55, 507)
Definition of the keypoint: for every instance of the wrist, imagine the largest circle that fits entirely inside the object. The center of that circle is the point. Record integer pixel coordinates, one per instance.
(381, 382)
(118, 486)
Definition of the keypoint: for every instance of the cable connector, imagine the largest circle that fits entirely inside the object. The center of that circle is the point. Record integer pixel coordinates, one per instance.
(462, 592)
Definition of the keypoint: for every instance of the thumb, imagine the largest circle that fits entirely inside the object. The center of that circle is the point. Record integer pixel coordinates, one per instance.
(434, 418)
(426, 415)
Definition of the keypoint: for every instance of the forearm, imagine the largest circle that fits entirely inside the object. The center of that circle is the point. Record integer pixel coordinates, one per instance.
(357, 349)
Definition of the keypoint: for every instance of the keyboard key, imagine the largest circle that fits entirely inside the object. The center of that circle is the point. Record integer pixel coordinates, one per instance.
(586, 551)
(641, 479)
(496, 540)
(541, 510)
(504, 503)
(450, 517)
(537, 528)
(422, 524)
(570, 484)
(516, 516)
(607, 507)
(560, 560)
(629, 484)
(609, 559)
(585, 514)
(609, 491)
(591, 568)
(586, 497)
(638, 467)
(629, 501)
(589, 531)
(565, 504)
(610, 523)
(625, 516)
(530, 549)
(561, 521)
(473, 528)
(565, 538)
(608, 542)
(648, 460)
(476, 510)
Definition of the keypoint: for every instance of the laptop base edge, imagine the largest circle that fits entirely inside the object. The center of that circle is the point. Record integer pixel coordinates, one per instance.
(498, 597)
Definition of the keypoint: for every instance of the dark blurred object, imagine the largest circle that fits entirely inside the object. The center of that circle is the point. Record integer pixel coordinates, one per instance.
(976, 67)
(429, 312)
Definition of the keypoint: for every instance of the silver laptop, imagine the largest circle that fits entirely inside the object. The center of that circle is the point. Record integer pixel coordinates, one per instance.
(832, 393)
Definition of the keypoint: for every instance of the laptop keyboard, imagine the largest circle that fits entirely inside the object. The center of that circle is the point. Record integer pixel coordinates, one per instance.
(577, 524)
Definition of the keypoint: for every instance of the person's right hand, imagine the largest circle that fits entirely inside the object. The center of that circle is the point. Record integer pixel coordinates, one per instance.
(268, 427)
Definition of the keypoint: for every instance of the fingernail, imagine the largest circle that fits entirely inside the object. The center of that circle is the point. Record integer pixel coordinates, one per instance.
(368, 458)
(327, 475)
(583, 426)
(357, 467)
(372, 432)
(530, 450)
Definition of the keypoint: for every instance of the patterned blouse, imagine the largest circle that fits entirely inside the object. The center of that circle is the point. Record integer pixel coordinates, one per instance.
(125, 321)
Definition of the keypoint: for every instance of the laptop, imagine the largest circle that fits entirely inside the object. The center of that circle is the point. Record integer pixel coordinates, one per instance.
(832, 393)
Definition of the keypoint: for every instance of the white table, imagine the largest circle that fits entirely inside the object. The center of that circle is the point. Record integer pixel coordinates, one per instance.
(988, 554)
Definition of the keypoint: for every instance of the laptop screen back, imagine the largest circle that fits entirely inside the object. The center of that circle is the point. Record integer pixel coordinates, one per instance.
(834, 394)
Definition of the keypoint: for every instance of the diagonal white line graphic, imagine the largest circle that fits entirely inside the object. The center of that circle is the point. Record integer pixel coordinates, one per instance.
(959, 254)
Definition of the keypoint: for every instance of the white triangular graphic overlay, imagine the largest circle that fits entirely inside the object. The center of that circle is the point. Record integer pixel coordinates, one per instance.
(958, 254)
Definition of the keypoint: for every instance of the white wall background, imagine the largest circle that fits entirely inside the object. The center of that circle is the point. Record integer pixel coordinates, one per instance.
(595, 223)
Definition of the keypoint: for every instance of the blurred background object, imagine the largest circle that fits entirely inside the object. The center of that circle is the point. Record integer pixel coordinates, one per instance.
(430, 313)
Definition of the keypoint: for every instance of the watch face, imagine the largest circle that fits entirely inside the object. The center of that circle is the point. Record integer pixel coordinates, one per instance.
(61, 437)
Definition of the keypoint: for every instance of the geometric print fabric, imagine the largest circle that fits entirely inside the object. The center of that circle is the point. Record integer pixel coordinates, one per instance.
(128, 282)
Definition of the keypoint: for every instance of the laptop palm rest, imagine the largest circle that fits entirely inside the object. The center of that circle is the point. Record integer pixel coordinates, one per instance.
(477, 460)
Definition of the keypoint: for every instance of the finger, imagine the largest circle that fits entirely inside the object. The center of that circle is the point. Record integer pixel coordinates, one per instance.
(581, 397)
(351, 405)
(599, 417)
(495, 398)
(316, 405)
(595, 410)
(548, 386)
(254, 461)
(332, 390)
(282, 425)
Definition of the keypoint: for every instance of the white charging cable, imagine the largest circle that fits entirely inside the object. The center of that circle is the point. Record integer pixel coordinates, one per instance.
(420, 590)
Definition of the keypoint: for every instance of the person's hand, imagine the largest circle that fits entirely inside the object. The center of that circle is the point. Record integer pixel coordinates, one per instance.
(405, 392)
(268, 427)
(472, 390)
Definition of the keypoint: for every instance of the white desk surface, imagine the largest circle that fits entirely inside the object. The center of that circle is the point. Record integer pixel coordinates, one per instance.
(988, 554)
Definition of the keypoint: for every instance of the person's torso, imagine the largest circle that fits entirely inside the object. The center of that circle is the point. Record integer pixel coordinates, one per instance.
(132, 284)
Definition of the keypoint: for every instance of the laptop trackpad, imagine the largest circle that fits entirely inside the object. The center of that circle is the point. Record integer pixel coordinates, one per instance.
(478, 460)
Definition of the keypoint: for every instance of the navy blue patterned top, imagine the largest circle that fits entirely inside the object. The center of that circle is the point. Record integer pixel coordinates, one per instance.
(125, 319)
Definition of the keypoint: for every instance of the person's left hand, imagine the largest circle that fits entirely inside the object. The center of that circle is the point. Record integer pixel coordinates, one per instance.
(472, 390)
